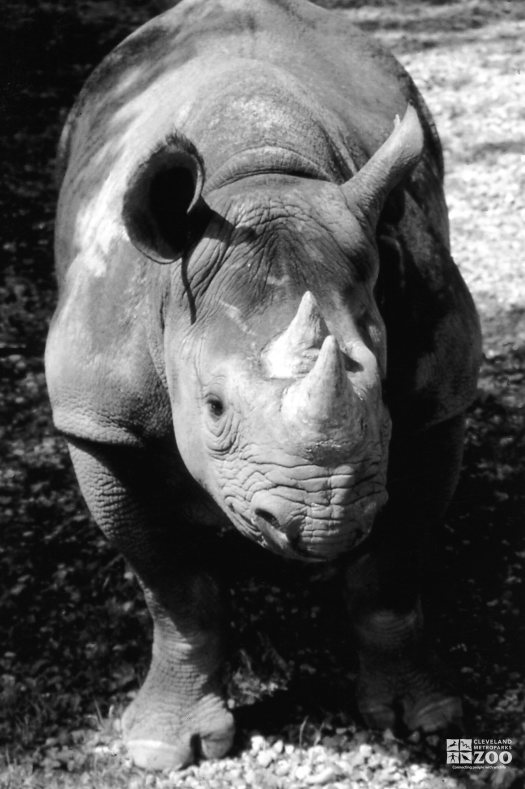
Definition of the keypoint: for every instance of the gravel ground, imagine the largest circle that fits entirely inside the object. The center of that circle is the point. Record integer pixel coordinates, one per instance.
(76, 629)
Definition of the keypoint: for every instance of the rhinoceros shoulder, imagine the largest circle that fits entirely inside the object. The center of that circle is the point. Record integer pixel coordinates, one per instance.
(103, 380)
(433, 331)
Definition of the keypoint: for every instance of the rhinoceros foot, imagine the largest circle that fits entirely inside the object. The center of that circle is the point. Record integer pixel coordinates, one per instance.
(169, 731)
(410, 697)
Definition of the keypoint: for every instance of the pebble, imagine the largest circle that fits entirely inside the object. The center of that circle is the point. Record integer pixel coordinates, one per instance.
(419, 775)
(257, 743)
(365, 750)
(354, 759)
(302, 772)
(265, 758)
(282, 769)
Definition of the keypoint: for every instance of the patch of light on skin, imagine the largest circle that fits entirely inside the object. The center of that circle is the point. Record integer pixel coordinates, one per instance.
(98, 225)
(97, 229)
(278, 282)
(235, 316)
(127, 81)
(279, 363)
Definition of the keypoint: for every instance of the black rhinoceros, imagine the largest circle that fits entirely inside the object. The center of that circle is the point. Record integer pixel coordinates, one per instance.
(259, 318)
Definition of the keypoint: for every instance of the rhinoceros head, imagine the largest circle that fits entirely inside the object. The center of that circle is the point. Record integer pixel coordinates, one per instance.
(273, 346)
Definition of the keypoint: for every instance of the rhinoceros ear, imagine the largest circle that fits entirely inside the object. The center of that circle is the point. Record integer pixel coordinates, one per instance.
(367, 192)
(160, 197)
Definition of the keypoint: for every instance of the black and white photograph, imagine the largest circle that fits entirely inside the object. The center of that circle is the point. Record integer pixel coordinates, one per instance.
(262, 394)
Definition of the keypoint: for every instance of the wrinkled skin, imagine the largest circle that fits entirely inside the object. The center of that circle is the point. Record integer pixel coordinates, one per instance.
(324, 492)
(260, 324)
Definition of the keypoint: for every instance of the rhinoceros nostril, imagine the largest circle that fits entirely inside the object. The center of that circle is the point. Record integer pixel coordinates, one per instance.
(267, 517)
(279, 522)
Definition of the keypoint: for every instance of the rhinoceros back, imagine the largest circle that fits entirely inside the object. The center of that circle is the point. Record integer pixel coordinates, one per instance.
(257, 86)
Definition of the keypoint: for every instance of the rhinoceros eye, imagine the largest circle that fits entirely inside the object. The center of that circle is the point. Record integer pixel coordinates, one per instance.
(215, 406)
(220, 434)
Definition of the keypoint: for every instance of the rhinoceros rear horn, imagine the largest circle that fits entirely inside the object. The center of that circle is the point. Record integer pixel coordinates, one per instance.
(368, 190)
(160, 197)
(295, 350)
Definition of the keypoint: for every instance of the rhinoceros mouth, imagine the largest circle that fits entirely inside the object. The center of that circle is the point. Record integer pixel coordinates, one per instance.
(317, 545)
(327, 548)
(274, 540)
(270, 537)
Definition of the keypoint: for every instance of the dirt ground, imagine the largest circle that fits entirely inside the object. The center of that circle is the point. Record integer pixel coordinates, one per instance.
(74, 632)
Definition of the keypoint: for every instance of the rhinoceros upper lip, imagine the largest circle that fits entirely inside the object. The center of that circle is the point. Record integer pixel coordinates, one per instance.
(272, 538)
(272, 535)
(277, 542)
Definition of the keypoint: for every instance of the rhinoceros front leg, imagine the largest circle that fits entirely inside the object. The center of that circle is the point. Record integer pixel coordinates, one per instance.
(179, 713)
(401, 682)
(400, 678)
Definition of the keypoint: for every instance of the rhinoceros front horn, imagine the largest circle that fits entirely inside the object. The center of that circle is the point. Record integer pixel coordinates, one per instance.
(367, 191)
(160, 196)
(324, 400)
